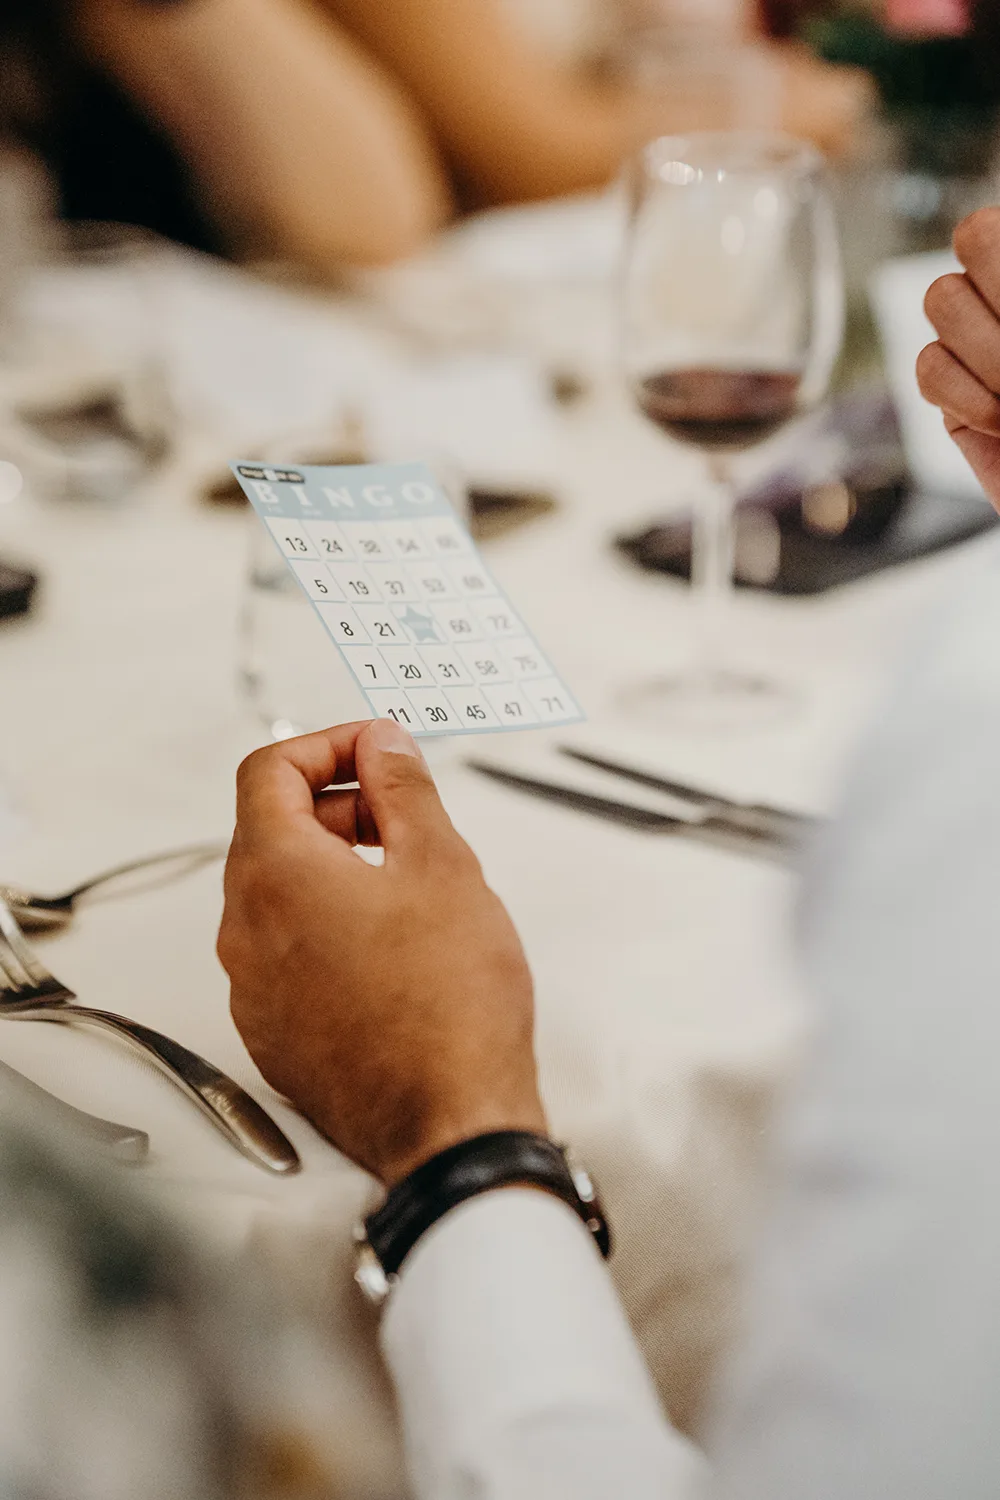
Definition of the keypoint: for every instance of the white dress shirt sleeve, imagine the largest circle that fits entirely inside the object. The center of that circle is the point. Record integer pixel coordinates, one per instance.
(871, 1363)
(517, 1375)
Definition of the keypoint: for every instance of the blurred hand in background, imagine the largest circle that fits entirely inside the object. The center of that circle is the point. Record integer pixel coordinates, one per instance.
(961, 372)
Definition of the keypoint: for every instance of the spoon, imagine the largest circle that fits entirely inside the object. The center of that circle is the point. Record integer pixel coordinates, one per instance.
(37, 913)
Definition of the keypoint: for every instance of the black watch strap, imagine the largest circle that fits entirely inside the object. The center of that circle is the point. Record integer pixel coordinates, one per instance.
(504, 1158)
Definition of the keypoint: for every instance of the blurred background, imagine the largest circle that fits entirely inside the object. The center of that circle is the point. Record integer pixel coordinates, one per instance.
(332, 232)
(377, 164)
(293, 231)
(305, 231)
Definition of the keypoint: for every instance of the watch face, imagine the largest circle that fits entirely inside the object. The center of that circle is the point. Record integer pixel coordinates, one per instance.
(370, 1276)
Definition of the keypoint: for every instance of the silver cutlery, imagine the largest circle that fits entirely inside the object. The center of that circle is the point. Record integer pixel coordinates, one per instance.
(123, 1142)
(38, 913)
(755, 818)
(28, 992)
(718, 831)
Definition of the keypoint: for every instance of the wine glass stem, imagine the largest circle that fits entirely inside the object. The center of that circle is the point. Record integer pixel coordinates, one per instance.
(712, 560)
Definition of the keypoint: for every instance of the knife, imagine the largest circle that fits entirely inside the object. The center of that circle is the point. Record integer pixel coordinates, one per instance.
(719, 831)
(757, 818)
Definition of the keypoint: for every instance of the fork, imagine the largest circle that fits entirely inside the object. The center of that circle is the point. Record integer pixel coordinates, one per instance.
(29, 992)
(42, 913)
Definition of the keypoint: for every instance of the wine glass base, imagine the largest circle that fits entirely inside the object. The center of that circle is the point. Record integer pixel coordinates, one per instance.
(710, 702)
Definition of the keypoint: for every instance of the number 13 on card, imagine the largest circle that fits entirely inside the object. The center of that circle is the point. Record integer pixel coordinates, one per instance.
(381, 557)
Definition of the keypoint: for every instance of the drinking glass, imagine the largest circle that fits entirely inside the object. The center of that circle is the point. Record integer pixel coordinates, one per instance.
(124, 271)
(289, 671)
(95, 413)
(732, 318)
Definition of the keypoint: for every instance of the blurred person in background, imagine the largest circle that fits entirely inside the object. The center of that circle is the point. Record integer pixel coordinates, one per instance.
(333, 133)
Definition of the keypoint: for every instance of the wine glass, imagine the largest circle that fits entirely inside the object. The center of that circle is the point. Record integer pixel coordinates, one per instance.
(732, 323)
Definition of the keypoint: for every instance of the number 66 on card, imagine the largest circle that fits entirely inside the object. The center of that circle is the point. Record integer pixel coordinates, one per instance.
(430, 639)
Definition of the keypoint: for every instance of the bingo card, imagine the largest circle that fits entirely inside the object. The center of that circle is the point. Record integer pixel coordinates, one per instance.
(429, 637)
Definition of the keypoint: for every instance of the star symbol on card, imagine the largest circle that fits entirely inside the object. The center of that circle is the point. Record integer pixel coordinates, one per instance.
(420, 624)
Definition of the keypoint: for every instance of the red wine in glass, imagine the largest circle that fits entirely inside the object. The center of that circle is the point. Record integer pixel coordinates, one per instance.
(732, 301)
(720, 410)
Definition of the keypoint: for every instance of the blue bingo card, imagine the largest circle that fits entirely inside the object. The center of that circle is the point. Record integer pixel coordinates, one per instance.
(399, 586)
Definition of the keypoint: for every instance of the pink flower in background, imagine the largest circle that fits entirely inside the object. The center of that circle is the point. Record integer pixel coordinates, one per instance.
(929, 17)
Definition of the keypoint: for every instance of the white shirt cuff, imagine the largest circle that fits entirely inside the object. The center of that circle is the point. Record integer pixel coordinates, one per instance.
(516, 1371)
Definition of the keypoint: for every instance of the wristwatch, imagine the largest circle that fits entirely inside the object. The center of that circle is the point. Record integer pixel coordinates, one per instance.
(503, 1158)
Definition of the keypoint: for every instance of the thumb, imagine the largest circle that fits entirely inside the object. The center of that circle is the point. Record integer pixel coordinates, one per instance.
(399, 789)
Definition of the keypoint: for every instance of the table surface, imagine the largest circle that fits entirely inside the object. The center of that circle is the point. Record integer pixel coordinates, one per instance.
(668, 1003)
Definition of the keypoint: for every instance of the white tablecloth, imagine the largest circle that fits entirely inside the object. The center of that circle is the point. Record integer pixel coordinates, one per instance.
(668, 1011)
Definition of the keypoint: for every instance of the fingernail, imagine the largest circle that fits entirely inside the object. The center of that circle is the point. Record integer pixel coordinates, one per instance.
(388, 735)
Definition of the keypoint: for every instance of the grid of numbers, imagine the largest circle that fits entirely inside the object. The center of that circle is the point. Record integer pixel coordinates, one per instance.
(427, 634)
